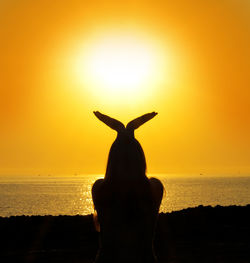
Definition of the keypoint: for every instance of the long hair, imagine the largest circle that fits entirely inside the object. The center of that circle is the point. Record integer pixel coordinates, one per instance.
(126, 160)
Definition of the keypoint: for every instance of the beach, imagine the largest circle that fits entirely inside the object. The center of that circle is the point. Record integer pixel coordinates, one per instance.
(200, 234)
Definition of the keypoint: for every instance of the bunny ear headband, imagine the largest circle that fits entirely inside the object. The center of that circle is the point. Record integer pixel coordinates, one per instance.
(120, 128)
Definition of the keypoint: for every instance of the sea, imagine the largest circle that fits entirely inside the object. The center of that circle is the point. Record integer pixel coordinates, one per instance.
(71, 194)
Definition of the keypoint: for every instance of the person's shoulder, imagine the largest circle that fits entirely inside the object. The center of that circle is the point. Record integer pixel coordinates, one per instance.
(156, 187)
(155, 183)
(97, 193)
(97, 185)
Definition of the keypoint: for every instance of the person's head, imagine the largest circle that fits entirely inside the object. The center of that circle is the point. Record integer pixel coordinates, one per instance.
(126, 159)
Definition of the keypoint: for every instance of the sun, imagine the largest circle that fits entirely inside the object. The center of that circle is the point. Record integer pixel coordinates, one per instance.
(120, 68)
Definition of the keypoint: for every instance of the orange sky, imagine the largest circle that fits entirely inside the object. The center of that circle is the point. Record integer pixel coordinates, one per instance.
(46, 119)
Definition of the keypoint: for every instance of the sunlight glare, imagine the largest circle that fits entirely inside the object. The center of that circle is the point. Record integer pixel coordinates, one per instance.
(120, 68)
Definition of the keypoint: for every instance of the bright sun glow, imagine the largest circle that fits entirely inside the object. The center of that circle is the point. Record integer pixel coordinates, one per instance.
(121, 68)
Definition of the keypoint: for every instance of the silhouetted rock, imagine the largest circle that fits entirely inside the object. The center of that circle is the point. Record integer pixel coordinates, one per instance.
(201, 234)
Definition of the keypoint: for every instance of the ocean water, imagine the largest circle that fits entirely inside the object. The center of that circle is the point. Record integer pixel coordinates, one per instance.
(71, 195)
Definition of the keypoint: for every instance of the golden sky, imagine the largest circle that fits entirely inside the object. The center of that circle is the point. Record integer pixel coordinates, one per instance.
(197, 60)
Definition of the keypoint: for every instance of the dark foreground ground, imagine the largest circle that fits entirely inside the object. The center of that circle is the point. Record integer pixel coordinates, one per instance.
(201, 234)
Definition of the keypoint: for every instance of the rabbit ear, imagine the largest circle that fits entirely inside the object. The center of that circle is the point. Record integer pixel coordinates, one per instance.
(136, 123)
(112, 123)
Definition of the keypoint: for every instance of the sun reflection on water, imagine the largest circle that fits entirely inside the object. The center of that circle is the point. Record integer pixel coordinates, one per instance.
(71, 195)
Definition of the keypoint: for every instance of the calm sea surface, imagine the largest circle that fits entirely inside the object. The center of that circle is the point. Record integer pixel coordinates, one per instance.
(71, 195)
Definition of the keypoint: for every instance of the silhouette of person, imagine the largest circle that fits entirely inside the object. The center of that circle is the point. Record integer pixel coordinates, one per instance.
(126, 200)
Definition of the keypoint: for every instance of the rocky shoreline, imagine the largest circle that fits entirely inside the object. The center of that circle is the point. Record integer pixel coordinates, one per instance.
(200, 234)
